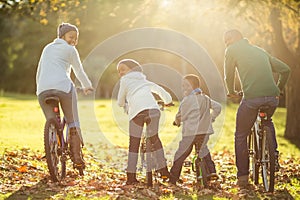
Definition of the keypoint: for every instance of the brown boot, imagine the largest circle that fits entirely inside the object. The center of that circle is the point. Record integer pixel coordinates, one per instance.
(131, 179)
(75, 147)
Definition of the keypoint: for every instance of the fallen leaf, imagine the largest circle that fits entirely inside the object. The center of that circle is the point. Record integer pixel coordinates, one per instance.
(23, 169)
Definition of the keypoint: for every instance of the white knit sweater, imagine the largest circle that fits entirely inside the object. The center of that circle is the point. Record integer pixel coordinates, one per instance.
(54, 67)
(137, 91)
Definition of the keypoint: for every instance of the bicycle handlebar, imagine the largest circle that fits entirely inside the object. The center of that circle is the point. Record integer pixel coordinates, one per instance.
(163, 105)
(86, 91)
(236, 95)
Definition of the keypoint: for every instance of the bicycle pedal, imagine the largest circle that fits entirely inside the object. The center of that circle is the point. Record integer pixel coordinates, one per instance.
(213, 177)
(199, 177)
(187, 163)
(78, 166)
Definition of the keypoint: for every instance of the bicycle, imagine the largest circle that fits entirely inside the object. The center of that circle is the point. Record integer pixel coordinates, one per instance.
(262, 151)
(146, 148)
(56, 143)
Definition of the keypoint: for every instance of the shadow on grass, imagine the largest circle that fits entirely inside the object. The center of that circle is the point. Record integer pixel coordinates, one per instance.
(295, 141)
(37, 191)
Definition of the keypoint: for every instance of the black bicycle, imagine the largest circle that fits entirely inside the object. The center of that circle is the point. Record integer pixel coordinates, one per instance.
(147, 154)
(56, 143)
(262, 151)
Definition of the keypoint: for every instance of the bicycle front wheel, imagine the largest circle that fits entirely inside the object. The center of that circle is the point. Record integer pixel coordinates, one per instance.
(268, 160)
(53, 149)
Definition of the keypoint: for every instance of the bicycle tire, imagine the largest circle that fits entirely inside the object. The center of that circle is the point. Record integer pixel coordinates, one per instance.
(149, 179)
(204, 172)
(53, 149)
(268, 160)
(80, 171)
(149, 164)
(252, 145)
(201, 172)
(196, 168)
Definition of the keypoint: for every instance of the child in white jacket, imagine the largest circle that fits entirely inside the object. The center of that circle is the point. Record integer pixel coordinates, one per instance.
(196, 117)
(135, 93)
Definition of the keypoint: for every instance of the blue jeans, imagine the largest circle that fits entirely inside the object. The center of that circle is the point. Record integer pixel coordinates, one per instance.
(245, 118)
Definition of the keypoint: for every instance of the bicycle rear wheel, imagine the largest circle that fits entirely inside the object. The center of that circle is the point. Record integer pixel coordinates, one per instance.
(204, 173)
(53, 149)
(253, 155)
(268, 160)
(149, 163)
(201, 172)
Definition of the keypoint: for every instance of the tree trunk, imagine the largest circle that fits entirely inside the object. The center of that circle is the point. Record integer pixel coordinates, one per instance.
(292, 130)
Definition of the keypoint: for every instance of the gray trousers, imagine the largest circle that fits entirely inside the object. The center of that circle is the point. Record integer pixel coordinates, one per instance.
(68, 102)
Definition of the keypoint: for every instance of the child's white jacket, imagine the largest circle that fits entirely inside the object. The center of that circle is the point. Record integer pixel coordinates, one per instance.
(136, 91)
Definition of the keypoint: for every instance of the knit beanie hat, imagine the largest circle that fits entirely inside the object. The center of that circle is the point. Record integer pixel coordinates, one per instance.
(132, 64)
(64, 28)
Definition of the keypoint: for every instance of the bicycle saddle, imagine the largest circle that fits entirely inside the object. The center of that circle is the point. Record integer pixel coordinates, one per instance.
(263, 108)
(50, 99)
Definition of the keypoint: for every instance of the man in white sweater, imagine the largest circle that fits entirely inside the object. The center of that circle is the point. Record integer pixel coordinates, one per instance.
(53, 79)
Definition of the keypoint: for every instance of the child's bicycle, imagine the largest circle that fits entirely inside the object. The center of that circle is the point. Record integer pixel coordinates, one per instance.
(56, 143)
(147, 154)
(262, 151)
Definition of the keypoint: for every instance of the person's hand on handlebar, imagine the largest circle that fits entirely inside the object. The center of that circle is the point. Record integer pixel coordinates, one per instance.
(88, 90)
(176, 123)
(235, 95)
(169, 104)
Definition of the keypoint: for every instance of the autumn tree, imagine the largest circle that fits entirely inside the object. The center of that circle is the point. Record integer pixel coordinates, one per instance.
(277, 23)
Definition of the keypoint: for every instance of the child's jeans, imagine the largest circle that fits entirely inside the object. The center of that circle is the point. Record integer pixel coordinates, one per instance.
(184, 150)
(151, 118)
